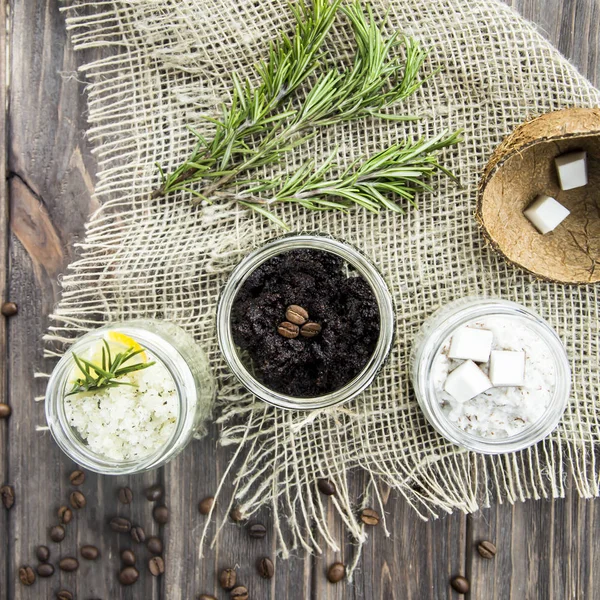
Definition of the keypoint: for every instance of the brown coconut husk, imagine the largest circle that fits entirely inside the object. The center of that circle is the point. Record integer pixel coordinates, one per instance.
(521, 168)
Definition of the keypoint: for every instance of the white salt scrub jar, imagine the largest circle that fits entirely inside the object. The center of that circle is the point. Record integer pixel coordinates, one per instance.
(145, 419)
(490, 375)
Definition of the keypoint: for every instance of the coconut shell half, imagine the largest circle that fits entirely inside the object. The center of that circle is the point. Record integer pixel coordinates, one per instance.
(522, 168)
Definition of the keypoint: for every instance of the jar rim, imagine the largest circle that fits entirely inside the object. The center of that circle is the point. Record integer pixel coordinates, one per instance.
(366, 269)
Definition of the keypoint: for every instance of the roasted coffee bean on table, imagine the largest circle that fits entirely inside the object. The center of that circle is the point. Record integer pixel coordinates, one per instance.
(265, 568)
(5, 410)
(310, 330)
(77, 499)
(154, 492)
(486, 549)
(288, 330)
(57, 533)
(296, 314)
(128, 557)
(65, 515)
(68, 564)
(9, 309)
(227, 579)
(128, 576)
(336, 572)
(205, 505)
(156, 566)
(369, 517)
(460, 584)
(236, 514)
(89, 552)
(26, 575)
(326, 487)
(257, 531)
(161, 514)
(155, 545)
(7, 493)
(239, 593)
(77, 477)
(138, 534)
(45, 569)
(64, 595)
(42, 553)
(125, 495)
(120, 524)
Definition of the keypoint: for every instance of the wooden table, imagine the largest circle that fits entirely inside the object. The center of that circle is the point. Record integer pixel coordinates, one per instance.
(546, 549)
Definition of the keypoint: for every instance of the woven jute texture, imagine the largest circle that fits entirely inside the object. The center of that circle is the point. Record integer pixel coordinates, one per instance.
(167, 63)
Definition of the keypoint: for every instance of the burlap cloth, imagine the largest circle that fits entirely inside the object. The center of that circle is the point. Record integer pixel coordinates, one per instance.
(167, 63)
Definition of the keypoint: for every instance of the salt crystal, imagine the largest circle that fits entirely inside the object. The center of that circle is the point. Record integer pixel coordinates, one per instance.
(473, 344)
(507, 368)
(572, 170)
(546, 214)
(466, 382)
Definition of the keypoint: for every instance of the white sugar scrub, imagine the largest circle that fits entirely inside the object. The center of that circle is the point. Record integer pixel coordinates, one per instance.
(499, 412)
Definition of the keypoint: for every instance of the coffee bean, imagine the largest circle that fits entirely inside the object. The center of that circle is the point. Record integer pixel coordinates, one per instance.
(369, 517)
(128, 557)
(155, 545)
(239, 593)
(296, 314)
(64, 595)
(120, 524)
(7, 492)
(77, 500)
(77, 477)
(156, 566)
(45, 569)
(310, 330)
(89, 552)
(128, 576)
(486, 549)
(154, 492)
(68, 564)
(265, 568)
(65, 515)
(161, 514)
(9, 309)
(326, 487)
(257, 531)
(336, 572)
(288, 330)
(206, 597)
(138, 534)
(26, 575)
(227, 579)
(5, 410)
(460, 584)
(57, 533)
(125, 495)
(205, 506)
(236, 514)
(42, 553)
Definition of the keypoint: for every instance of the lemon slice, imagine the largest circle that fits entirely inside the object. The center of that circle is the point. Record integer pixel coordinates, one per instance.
(120, 339)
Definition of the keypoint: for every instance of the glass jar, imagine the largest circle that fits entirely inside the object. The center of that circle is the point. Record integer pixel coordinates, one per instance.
(427, 346)
(355, 260)
(185, 362)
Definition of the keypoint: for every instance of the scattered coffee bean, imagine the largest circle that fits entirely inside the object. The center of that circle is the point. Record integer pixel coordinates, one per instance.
(239, 593)
(154, 492)
(9, 309)
(265, 568)
(156, 566)
(236, 514)
(369, 517)
(65, 515)
(460, 584)
(120, 524)
(89, 552)
(326, 487)
(128, 576)
(42, 553)
(288, 330)
(77, 500)
(205, 506)
(125, 495)
(486, 549)
(26, 575)
(5, 410)
(77, 477)
(155, 545)
(336, 572)
(257, 531)
(128, 557)
(64, 595)
(57, 533)
(206, 597)
(138, 534)
(7, 492)
(310, 330)
(161, 514)
(45, 569)
(296, 314)
(68, 564)
(227, 579)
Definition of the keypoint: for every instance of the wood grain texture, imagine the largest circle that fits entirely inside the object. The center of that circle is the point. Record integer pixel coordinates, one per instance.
(546, 549)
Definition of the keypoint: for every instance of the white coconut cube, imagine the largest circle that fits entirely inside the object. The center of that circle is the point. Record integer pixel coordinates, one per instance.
(473, 344)
(572, 170)
(507, 369)
(466, 382)
(546, 213)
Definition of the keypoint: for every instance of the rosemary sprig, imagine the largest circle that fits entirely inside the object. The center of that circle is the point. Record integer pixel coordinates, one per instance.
(106, 375)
